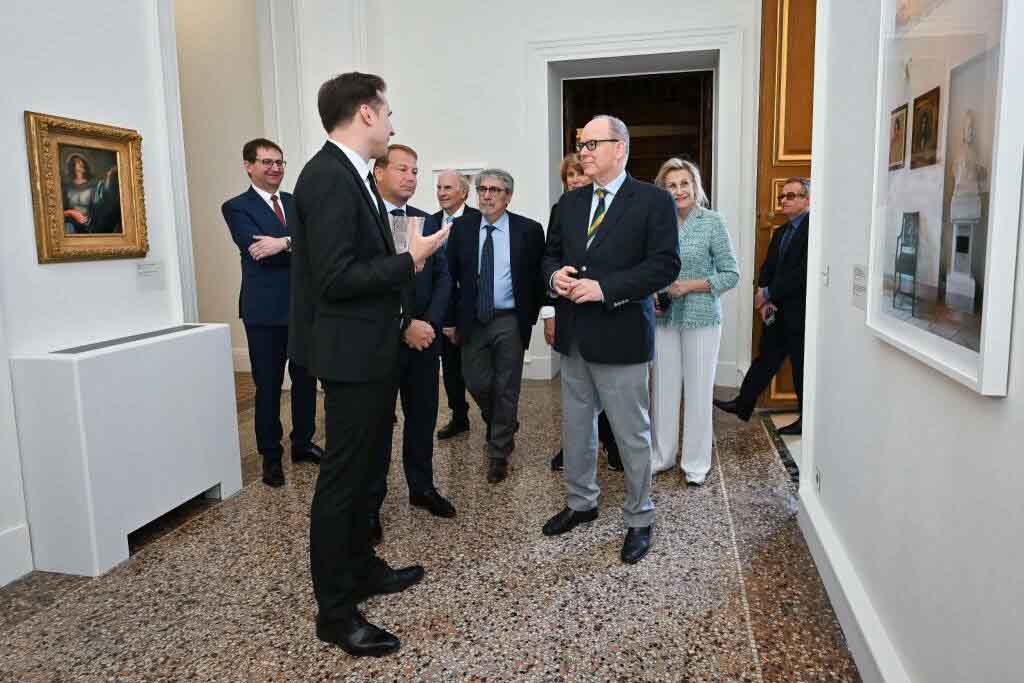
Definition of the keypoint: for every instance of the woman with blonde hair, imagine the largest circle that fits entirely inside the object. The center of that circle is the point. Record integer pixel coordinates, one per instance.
(689, 326)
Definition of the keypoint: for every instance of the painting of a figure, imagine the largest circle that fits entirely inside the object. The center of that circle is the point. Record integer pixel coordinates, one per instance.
(90, 191)
(87, 191)
(898, 137)
(924, 143)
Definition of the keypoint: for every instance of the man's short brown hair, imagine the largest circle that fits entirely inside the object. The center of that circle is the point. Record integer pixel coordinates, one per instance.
(340, 98)
(386, 159)
(250, 148)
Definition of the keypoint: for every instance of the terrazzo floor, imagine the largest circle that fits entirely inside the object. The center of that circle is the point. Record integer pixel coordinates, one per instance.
(728, 593)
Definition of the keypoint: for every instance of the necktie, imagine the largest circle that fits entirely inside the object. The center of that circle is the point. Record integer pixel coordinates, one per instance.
(397, 212)
(485, 291)
(448, 219)
(277, 209)
(376, 195)
(598, 213)
(787, 236)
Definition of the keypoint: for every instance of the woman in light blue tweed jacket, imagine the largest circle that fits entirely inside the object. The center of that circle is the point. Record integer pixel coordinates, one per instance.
(688, 333)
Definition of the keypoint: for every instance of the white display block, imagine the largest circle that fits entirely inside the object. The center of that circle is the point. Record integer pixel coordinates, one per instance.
(114, 435)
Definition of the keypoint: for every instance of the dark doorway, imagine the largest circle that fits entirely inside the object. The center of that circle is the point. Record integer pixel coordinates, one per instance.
(667, 114)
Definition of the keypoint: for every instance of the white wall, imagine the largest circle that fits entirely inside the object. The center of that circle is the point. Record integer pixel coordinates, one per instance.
(917, 523)
(113, 74)
(462, 90)
(218, 48)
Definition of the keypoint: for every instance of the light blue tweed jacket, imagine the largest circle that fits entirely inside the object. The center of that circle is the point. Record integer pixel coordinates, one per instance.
(705, 252)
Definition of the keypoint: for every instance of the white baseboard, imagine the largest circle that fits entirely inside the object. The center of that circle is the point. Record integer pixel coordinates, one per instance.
(872, 650)
(15, 553)
(726, 375)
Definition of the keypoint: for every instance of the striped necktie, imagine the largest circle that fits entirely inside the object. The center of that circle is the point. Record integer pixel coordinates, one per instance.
(595, 223)
(485, 290)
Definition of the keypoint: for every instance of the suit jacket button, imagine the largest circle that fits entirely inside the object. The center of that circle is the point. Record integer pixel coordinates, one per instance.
(583, 269)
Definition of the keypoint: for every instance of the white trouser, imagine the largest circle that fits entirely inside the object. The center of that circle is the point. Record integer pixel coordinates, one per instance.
(684, 357)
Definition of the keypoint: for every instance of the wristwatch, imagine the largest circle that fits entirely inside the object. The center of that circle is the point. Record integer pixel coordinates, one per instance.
(287, 243)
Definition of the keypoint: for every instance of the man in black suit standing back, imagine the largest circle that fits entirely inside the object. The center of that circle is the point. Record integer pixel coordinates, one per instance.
(396, 175)
(258, 221)
(610, 246)
(495, 262)
(781, 300)
(452, 193)
(347, 321)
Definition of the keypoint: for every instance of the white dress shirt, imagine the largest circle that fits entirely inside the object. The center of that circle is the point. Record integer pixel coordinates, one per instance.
(267, 198)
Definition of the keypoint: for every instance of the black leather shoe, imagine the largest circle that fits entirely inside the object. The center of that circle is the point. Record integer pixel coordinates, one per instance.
(358, 637)
(376, 530)
(558, 462)
(453, 428)
(567, 520)
(497, 470)
(732, 406)
(390, 581)
(792, 429)
(637, 543)
(433, 502)
(311, 453)
(614, 459)
(273, 473)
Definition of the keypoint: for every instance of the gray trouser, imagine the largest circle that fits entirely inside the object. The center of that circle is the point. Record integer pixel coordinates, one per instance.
(492, 365)
(621, 390)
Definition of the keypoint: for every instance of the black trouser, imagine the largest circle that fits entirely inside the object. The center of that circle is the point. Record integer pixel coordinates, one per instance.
(454, 384)
(783, 338)
(417, 384)
(358, 422)
(605, 434)
(268, 351)
(492, 363)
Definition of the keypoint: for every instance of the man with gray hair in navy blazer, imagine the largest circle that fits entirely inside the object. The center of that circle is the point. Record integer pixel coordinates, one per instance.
(610, 246)
(258, 221)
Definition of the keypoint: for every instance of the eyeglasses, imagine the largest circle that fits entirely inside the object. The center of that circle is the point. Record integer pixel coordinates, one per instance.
(592, 144)
(488, 189)
(790, 195)
(268, 163)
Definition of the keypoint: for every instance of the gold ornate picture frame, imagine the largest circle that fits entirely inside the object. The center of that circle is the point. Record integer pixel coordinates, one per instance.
(87, 191)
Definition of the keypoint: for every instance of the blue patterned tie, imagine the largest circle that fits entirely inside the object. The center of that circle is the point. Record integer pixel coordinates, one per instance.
(485, 290)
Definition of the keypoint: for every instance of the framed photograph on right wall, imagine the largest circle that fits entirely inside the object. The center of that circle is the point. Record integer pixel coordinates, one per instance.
(945, 225)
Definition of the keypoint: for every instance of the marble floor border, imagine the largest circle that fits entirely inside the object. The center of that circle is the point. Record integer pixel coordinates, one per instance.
(785, 457)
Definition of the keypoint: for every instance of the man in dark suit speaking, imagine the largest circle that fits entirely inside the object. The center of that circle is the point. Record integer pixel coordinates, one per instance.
(258, 221)
(610, 246)
(396, 175)
(347, 321)
(781, 300)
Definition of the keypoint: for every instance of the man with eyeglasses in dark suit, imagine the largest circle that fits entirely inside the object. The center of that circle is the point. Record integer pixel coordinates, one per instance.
(495, 263)
(258, 221)
(781, 301)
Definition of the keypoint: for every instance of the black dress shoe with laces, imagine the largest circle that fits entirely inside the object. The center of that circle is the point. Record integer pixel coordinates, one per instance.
(358, 637)
(792, 429)
(558, 462)
(433, 502)
(454, 427)
(497, 470)
(390, 581)
(273, 472)
(636, 544)
(733, 406)
(311, 453)
(567, 520)
(376, 530)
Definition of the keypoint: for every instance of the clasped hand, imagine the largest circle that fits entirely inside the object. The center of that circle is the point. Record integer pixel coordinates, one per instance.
(418, 335)
(577, 290)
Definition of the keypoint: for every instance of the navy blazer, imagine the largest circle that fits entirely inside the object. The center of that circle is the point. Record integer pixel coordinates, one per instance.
(526, 250)
(786, 280)
(634, 253)
(468, 211)
(265, 294)
(433, 283)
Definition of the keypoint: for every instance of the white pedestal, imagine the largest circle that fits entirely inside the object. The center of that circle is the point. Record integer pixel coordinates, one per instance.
(114, 435)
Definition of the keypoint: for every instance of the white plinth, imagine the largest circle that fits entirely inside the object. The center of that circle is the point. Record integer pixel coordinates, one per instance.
(111, 438)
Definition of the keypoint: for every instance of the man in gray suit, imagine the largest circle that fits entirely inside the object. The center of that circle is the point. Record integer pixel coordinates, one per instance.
(610, 246)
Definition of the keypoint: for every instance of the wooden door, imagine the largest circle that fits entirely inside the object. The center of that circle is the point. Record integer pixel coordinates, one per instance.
(784, 137)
